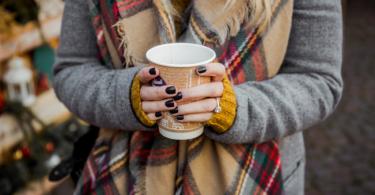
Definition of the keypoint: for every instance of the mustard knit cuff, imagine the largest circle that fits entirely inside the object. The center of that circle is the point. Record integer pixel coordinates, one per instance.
(222, 121)
(137, 103)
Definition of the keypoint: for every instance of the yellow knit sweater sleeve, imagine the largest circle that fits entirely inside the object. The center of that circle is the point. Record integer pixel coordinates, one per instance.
(137, 103)
(222, 121)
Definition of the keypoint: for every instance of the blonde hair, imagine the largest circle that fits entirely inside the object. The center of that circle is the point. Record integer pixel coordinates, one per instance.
(260, 11)
(227, 19)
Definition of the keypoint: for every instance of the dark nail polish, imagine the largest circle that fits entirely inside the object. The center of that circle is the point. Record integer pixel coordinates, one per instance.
(170, 90)
(152, 71)
(174, 111)
(180, 117)
(158, 78)
(201, 69)
(158, 114)
(178, 96)
(169, 103)
(158, 81)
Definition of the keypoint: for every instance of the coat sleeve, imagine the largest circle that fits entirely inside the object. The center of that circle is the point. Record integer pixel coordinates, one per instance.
(89, 89)
(307, 88)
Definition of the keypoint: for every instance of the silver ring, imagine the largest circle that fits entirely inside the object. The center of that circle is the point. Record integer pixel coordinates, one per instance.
(218, 107)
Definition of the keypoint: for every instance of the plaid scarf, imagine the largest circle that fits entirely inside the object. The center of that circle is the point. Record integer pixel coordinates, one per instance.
(124, 162)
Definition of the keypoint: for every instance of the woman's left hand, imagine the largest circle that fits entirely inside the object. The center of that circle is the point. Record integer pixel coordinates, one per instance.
(202, 97)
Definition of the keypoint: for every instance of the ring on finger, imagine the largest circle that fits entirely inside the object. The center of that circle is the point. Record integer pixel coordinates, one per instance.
(218, 107)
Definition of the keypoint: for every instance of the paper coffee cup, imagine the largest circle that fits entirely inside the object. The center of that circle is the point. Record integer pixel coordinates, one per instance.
(177, 63)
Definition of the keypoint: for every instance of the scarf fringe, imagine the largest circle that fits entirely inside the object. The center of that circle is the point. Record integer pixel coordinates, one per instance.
(130, 58)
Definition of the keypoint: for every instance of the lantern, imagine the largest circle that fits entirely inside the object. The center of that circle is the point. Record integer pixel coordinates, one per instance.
(19, 83)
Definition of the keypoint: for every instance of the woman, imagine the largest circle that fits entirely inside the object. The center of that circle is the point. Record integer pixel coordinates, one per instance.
(284, 56)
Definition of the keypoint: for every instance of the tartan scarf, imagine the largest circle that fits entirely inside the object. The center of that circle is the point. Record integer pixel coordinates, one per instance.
(124, 162)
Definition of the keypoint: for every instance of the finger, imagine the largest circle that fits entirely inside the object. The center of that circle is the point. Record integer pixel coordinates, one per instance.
(157, 106)
(201, 117)
(214, 89)
(154, 116)
(215, 70)
(157, 93)
(202, 106)
(147, 74)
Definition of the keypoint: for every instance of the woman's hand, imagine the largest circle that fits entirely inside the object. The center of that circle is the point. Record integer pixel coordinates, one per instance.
(202, 97)
(156, 99)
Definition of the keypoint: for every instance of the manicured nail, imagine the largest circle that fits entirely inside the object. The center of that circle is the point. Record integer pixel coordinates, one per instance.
(152, 71)
(174, 111)
(201, 69)
(170, 90)
(178, 96)
(158, 78)
(180, 117)
(158, 114)
(158, 81)
(169, 103)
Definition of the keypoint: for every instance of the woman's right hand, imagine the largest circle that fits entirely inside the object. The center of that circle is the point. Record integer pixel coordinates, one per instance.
(156, 99)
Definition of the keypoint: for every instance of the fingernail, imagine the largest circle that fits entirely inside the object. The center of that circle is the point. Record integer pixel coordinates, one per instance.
(152, 71)
(158, 78)
(174, 111)
(180, 117)
(158, 114)
(170, 90)
(169, 103)
(201, 69)
(158, 81)
(178, 96)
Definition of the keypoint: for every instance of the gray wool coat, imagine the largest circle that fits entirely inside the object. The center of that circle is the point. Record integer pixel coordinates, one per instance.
(305, 92)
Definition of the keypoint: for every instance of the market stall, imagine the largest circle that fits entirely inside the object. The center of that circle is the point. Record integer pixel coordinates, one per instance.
(36, 130)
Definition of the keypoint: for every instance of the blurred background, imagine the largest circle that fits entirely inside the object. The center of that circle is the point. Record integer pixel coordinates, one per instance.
(37, 132)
